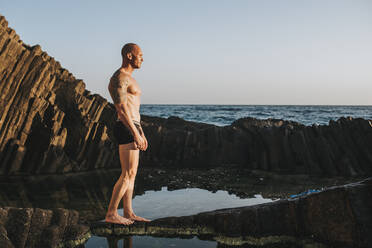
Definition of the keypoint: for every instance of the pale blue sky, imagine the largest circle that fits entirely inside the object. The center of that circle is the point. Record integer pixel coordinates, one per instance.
(212, 52)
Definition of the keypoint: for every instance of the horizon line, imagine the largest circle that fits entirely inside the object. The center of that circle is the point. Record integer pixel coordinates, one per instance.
(351, 105)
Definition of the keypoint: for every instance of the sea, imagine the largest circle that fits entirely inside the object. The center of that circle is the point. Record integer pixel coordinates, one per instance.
(222, 115)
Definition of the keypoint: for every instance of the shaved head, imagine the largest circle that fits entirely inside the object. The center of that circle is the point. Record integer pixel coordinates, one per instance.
(128, 48)
(132, 55)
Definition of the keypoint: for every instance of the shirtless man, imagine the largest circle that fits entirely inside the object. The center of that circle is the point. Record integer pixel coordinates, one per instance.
(125, 93)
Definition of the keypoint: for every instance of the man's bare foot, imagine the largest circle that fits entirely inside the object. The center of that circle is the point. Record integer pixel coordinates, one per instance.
(117, 219)
(136, 218)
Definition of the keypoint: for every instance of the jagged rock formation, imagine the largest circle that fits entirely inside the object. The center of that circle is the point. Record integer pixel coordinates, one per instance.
(35, 227)
(339, 216)
(49, 123)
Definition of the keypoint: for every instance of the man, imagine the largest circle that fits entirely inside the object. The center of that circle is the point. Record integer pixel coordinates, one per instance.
(125, 93)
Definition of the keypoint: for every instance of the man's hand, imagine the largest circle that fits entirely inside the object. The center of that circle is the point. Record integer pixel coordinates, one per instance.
(146, 144)
(139, 142)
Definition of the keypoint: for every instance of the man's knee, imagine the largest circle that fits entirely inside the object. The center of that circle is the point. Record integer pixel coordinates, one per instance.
(129, 174)
(132, 174)
(123, 181)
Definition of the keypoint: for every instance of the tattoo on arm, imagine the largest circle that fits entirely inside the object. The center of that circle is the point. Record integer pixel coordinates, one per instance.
(118, 90)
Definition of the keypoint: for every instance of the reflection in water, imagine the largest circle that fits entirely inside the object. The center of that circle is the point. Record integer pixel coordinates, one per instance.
(90, 192)
(164, 203)
(149, 242)
(156, 242)
(113, 242)
(146, 241)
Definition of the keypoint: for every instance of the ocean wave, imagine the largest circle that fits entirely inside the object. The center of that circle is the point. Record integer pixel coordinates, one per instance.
(222, 115)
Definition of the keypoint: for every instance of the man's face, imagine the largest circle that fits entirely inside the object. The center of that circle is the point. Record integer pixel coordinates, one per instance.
(137, 58)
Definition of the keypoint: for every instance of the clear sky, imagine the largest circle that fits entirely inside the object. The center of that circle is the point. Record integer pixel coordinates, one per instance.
(209, 51)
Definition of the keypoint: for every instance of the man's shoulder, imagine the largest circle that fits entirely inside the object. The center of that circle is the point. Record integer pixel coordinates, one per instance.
(121, 78)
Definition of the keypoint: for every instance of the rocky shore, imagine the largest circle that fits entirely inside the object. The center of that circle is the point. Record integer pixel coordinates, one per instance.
(55, 134)
(283, 147)
(50, 124)
(90, 192)
(338, 216)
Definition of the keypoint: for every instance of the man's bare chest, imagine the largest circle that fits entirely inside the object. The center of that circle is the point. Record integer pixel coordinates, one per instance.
(134, 89)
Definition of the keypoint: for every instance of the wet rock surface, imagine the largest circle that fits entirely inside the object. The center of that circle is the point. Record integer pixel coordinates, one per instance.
(35, 227)
(237, 180)
(90, 192)
(50, 124)
(339, 216)
(114, 233)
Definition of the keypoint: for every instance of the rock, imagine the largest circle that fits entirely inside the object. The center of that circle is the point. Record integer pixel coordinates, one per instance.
(35, 227)
(339, 216)
(45, 114)
(51, 124)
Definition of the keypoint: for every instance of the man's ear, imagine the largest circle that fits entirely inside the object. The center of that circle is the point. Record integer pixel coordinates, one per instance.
(129, 56)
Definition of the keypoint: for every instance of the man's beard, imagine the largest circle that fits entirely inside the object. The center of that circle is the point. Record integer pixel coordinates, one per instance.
(136, 66)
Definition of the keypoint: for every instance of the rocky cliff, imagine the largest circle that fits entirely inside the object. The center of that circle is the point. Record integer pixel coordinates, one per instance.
(49, 123)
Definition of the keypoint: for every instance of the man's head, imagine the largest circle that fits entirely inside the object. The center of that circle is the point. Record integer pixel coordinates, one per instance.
(132, 54)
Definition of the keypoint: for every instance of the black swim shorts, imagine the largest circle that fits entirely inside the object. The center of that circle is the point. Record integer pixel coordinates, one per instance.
(122, 134)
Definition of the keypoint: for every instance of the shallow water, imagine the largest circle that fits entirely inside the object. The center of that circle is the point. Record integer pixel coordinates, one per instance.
(146, 241)
(164, 203)
(89, 193)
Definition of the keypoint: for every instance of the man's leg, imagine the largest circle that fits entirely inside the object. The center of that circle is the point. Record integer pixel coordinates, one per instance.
(127, 199)
(126, 160)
